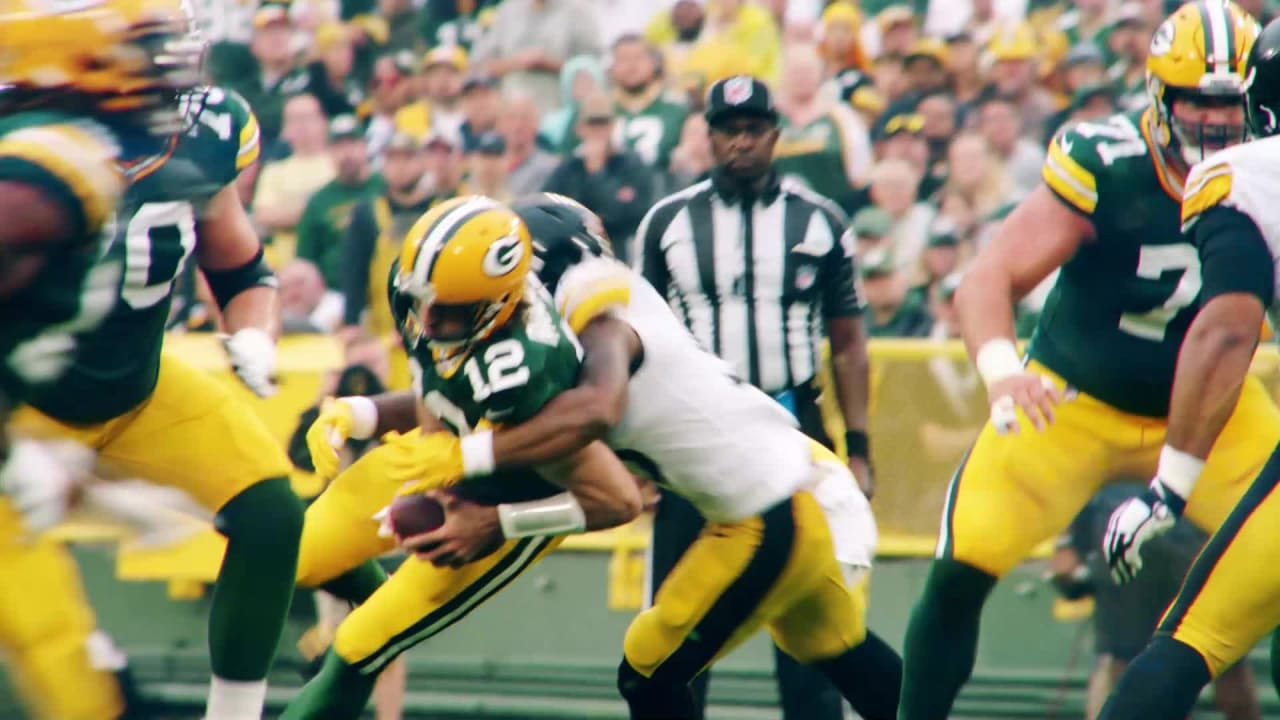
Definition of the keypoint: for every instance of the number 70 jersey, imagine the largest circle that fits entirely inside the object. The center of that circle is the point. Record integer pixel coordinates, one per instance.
(1113, 323)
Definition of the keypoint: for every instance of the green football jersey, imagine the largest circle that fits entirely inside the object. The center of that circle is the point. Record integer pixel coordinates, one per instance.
(818, 155)
(1115, 318)
(654, 131)
(72, 161)
(119, 362)
(505, 380)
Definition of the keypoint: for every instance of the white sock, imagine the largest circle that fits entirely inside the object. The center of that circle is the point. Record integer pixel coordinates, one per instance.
(236, 699)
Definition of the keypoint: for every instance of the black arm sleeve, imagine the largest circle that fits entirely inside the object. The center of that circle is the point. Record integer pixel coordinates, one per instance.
(1234, 256)
(357, 253)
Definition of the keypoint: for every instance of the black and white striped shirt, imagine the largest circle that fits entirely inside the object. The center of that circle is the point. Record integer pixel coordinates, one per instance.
(754, 283)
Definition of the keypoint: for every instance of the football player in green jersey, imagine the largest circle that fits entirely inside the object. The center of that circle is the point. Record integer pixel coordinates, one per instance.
(76, 79)
(649, 118)
(1090, 403)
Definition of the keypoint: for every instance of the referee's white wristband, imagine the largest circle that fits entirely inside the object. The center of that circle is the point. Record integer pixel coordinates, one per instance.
(364, 416)
(997, 360)
(477, 454)
(556, 515)
(1179, 471)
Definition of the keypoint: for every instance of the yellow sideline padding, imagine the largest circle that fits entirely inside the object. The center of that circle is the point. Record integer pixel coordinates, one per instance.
(927, 405)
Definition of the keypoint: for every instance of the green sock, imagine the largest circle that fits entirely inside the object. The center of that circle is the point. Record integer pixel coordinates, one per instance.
(942, 639)
(338, 692)
(355, 586)
(263, 526)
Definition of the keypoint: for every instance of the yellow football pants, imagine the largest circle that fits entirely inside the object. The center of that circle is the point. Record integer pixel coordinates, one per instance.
(776, 571)
(419, 600)
(1012, 492)
(1230, 599)
(191, 434)
(45, 624)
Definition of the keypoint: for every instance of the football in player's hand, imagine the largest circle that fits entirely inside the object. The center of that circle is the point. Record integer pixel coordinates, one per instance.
(415, 514)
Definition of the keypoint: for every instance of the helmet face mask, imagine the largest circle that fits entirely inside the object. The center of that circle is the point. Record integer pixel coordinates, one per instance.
(1197, 139)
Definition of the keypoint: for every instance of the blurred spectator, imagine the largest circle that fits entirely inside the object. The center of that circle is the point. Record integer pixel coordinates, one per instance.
(893, 311)
(902, 138)
(266, 72)
(285, 186)
(976, 18)
(845, 60)
(650, 119)
(327, 214)
(437, 93)
(331, 76)
(1083, 66)
(1022, 158)
(617, 18)
(1128, 42)
(582, 76)
(675, 33)
(925, 65)
(1086, 22)
(942, 309)
(941, 120)
(942, 256)
(893, 33)
(889, 77)
(1093, 103)
(871, 226)
(446, 166)
(691, 161)
(480, 104)
(530, 165)
(306, 304)
(487, 170)
(378, 226)
(894, 188)
(389, 91)
(823, 142)
(963, 69)
(610, 181)
(711, 40)
(457, 23)
(401, 19)
(1014, 52)
(529, 41)
(977, 174)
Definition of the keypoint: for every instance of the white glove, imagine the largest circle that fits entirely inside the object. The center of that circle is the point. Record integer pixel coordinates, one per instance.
(1137, 521)
(383, 517)
(39, 478)
(253, 357)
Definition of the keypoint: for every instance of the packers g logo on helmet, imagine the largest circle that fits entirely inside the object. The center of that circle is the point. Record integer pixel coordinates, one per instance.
(1198, 56)
(469, 255)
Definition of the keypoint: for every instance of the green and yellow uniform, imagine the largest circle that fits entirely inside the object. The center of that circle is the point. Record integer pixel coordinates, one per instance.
(507, 378)
(822, 154)
(146, 412)
(1108, 337)
(322, 229)
(47, 621)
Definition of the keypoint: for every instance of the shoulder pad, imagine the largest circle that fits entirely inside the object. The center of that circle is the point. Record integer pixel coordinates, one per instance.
(225, 118)
(1208, 184)
(1080, 155)
(75, 155)
(590, 289)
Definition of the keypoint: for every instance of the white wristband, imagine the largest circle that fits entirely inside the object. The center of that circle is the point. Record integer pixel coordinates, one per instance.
(998, 359)
(556, 515)
(1179, 471)
(364, 416)
(477, 454)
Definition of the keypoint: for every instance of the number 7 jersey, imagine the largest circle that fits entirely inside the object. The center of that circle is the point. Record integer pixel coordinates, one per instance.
(1113, 323)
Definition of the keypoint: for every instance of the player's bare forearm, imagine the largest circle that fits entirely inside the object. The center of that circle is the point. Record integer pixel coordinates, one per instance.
(577, 417)
(602, 485)
(1037, 238)
(257, 307)
(850, 368)
(397, 412)
(1212, 367)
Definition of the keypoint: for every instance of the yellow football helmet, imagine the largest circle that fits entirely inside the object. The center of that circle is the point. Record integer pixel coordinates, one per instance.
(1198, 53)
(472, 254)
(127, 57)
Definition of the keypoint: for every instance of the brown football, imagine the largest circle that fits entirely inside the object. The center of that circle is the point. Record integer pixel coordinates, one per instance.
(415, 514)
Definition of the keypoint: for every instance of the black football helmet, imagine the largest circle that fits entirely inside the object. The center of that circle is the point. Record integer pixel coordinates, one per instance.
(1262, 78)
(564, 234)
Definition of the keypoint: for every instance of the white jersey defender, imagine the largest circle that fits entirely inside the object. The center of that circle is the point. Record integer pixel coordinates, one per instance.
(690, 424)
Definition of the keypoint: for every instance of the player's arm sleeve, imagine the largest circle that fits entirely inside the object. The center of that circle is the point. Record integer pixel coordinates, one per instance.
(1071, 167)
(357, 254)
(74, 165)
(1234, 256)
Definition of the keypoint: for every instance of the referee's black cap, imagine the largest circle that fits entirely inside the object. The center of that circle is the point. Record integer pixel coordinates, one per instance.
(739, 95)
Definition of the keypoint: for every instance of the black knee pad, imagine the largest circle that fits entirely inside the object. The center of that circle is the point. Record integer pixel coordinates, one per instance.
(268, 512)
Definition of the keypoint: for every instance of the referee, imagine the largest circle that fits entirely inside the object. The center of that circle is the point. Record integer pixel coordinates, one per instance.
(761, 271)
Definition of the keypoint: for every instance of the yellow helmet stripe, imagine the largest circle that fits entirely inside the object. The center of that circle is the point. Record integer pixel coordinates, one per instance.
(444, 229)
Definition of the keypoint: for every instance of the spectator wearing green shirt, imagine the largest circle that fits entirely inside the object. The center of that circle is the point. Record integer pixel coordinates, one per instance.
(894, 311)
(328, 212)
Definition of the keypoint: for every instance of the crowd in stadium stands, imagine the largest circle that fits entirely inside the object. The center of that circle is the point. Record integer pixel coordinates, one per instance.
(924, 120)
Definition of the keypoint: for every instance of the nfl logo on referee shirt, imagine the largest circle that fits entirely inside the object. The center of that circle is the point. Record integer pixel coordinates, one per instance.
(804, 278)
(737, 90)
